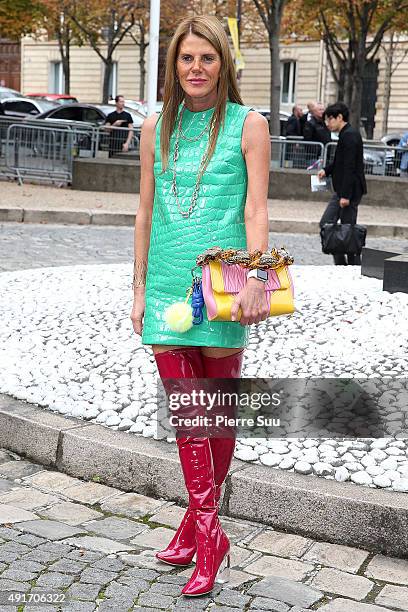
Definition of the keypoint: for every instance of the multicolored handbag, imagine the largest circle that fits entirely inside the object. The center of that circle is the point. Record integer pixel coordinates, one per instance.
(224, 274)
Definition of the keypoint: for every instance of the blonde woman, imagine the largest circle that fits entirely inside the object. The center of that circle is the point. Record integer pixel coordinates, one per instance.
(204, 182)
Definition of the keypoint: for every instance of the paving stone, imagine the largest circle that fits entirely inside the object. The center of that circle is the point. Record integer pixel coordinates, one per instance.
(79, 606)
(19, 469)
(169, 515)
(19, 575)
(165, 588)
(8, 533)
(30, 540)
(154, 538)
(194, 603)
(12, 585)
(346, 605)
(134, 583)
(110, 564)
(278, 566)
(52, 530)
(131, 504)
(87, 556)
(10, 551)
(237, 530)
(28, 499)
(336, 555)
(146, 559)
(55, 580)
(288, 591)
(228, 597)
(264, 603)
(116, 605)
(174, 579)
(52, 481)
(56, 547)
(83, 591)
(280, 544)
(99, 544)
(67, 566)
(90, 492)
(394, 597)
(116, 528)
(6, 485)
(389, 569)
(224, 609)
(27, 566)
(11, 514)
(341, 583)
(239, 555)
(144, 573)
(70, 513)
(97, 576)
(115, 589)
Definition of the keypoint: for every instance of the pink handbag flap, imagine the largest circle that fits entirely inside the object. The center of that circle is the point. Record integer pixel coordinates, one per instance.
(235, 278)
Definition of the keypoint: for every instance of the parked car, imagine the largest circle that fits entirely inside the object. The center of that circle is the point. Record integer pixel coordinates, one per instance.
(21, 108)
(58, 98)
(283, 117)
(137, 116)
(6, 92)
(88, 113)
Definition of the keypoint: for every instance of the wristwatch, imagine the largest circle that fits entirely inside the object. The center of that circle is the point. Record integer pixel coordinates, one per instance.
(261, 275)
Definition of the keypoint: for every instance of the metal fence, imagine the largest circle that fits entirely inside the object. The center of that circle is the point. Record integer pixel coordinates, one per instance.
(38, 150)
(295, 153)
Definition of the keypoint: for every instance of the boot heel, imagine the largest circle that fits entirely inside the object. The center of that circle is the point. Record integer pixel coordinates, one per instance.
(223, 574)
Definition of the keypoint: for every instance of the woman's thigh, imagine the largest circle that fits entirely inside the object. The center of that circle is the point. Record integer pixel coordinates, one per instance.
(161, 348)
(215, 351)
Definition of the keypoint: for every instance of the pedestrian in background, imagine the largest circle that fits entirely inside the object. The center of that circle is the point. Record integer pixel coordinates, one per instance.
(347, 172)
(403, 144)
(315, 130)
(296, 122)
(119, 139)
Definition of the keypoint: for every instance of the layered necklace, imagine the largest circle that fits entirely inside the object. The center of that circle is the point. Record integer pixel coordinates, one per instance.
(180, 134)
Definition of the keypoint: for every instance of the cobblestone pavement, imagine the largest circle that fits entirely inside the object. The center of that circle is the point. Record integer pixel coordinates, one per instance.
(89, 547)
(35, 245)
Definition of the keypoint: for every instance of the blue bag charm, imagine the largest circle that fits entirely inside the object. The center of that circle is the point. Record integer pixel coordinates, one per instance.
(197, 300)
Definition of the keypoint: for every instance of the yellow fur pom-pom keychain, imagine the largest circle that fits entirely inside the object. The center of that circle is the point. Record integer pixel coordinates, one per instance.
(179, 316)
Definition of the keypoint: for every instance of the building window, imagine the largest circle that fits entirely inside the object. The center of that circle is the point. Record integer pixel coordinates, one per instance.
(113, 81)
(288, 82)
(57, 81)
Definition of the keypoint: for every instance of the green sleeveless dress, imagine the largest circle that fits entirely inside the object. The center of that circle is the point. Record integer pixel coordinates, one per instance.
(216, 220)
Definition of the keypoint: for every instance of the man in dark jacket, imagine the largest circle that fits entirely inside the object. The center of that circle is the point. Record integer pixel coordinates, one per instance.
(315, 129)
(295, 123)
(347, 172)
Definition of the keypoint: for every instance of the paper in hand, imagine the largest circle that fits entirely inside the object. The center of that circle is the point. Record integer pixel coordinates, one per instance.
(318, 185)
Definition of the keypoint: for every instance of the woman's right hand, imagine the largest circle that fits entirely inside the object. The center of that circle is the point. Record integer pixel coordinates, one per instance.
(138, 310)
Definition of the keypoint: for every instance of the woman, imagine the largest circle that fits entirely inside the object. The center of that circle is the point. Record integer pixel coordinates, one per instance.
(214, 193)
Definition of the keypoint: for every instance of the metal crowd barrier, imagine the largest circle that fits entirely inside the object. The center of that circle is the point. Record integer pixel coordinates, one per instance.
(296, 153)
(109, 141)
(379, 159)
(43, 152)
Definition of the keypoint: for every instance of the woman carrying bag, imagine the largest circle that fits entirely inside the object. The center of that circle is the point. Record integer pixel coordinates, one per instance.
(204, 182)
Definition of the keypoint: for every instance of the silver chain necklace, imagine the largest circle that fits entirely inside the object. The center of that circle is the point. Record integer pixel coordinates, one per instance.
(201, 170)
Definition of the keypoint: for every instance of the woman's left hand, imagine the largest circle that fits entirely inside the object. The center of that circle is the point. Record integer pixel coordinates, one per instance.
(253, 303)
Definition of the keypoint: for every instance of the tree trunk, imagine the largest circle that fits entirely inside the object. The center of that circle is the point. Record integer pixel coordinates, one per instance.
(142, 65)
(357, 93)
(106, 78)
(66, 65)
(275, 92)
(389, 56)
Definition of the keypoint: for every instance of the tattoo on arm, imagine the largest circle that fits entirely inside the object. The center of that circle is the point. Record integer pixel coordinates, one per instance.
(139, 272)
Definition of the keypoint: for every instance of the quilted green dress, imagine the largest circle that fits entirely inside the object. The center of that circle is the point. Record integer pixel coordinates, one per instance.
(216, 220)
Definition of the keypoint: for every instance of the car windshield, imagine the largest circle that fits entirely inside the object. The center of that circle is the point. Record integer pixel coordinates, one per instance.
(45, 105)
(63, 101)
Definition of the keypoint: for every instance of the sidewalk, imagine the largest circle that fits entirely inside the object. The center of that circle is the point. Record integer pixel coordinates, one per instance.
(92, 547)
(47, 204)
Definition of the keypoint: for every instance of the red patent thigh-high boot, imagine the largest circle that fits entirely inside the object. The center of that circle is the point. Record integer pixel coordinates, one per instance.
(222, 447)
(182, 362)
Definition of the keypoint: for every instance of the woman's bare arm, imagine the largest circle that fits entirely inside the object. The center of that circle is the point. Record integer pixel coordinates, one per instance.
(256, 148)
(257, 153)
(144, 213)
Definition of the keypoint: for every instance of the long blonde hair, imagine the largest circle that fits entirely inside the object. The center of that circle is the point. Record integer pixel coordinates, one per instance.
(211, 29)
